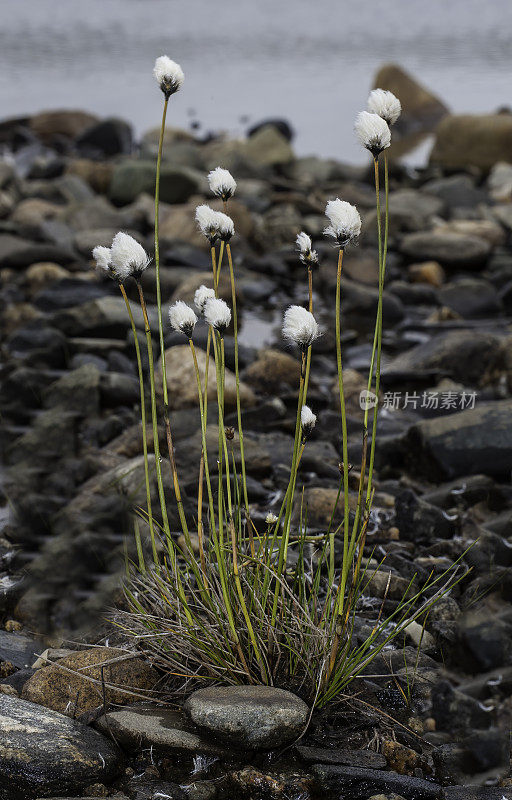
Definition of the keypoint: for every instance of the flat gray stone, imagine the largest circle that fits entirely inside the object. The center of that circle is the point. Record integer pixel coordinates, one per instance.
(43, 752)
(249, 716)
(160, 728)
(350, 758)
(19, 649)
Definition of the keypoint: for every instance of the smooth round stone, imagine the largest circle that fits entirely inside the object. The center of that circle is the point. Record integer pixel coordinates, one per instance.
(259, 717)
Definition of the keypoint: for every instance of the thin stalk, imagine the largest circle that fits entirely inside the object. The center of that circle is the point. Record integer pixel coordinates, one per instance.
(344, 435)
(143, 419)
(157, 250)
(156, 445)
(238, 405)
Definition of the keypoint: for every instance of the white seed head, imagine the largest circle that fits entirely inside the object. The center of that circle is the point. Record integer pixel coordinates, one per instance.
(201, 296)
(182, 318)
(271, 518)
(385, 104)
(300, 326)
(208, 222)
(128, 257)
(217, 314)
(102, 258)
(222, 183)
(373, 132)
(225, 226)
(345, 221)
(168, 74)
(308, 420)
(304, 245)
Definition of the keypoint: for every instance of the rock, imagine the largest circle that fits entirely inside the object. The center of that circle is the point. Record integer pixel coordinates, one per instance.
(456, 192)
(259, 717)
(474, 793)
(132, 177)
(354, 783)
(480, 228)
(471, 298)
(16, 252)
(384, 583)
(145, 787)
(18, 648)
(43, 752)
(162, 729)
(105, 316)
(98, 174)
(499, 182)
(67, 293)
(351, 758)
(110, 137)
(59, 687)
(281, 125)
(473, 140)
(271, 784)
(268, 147)
(419, 521)
(42, 274)
(452, 250)
(271, 370)
(178, 223)
(472, 441)
(49, 124)
(181, 379)
(77, 391)
(400, 759)
(462, 355)
(454, 711)
(33, 211)
(420, 108)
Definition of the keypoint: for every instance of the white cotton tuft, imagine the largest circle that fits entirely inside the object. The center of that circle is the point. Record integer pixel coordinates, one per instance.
(201, 296)
(182, 318)
(271, 518)
(345, 221)
(128, 257)
(208, 222)
(300, 326)
(169, 75)
(225, 226)
(217, 314)
(373, 132)
(385, 104)
(102, 258)
(308, 420)
(304, 245)
(222, 183)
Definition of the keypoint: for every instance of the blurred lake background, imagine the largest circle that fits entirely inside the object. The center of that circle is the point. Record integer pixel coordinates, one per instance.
(311, 63)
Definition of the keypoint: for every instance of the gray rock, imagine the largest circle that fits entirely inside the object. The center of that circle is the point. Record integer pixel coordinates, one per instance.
(471, 298)
(419, 521)
(476, 793)
(259, 717)
(77, 391)
(449, 249)
(16, 252)
(354, 783)
(18, 648)
(134, 176)
(472, 441)
(351, 758)
(456, 191)
(43, 752)
(165, 730)
(462, 355)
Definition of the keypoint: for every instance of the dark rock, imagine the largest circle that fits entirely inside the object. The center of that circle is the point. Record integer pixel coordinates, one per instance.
(19, 649)
(41, 342)
(143, 787)
(249, 716)
(110, 137)
(456, 191)
(353, 783)
(462, 355)
(76, 391)
(477, 440)
(66, 293)
(471, 298)
(454, 711)
(452, 250)
(44, 752)
(476, 793)
(419, 521)
(16, 252)
(350, 758)
(281, 125)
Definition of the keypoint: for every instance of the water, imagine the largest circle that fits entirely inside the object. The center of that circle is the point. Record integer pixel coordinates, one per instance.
(310, 62)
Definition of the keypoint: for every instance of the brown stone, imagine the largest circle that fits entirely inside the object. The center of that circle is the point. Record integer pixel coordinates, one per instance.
(418, 103)
(271, 369)
(178, 222)
(473, 140)
(430, 272)
(98, 174)
(61, 123)
(73, 685)
(401, 759)
(44, 273)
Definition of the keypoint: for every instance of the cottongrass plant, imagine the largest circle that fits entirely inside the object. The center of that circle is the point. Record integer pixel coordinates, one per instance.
(229, 605)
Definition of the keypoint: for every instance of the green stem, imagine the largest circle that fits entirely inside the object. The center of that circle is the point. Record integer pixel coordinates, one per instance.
(143, 419)
(157, 252)
(344, 435)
